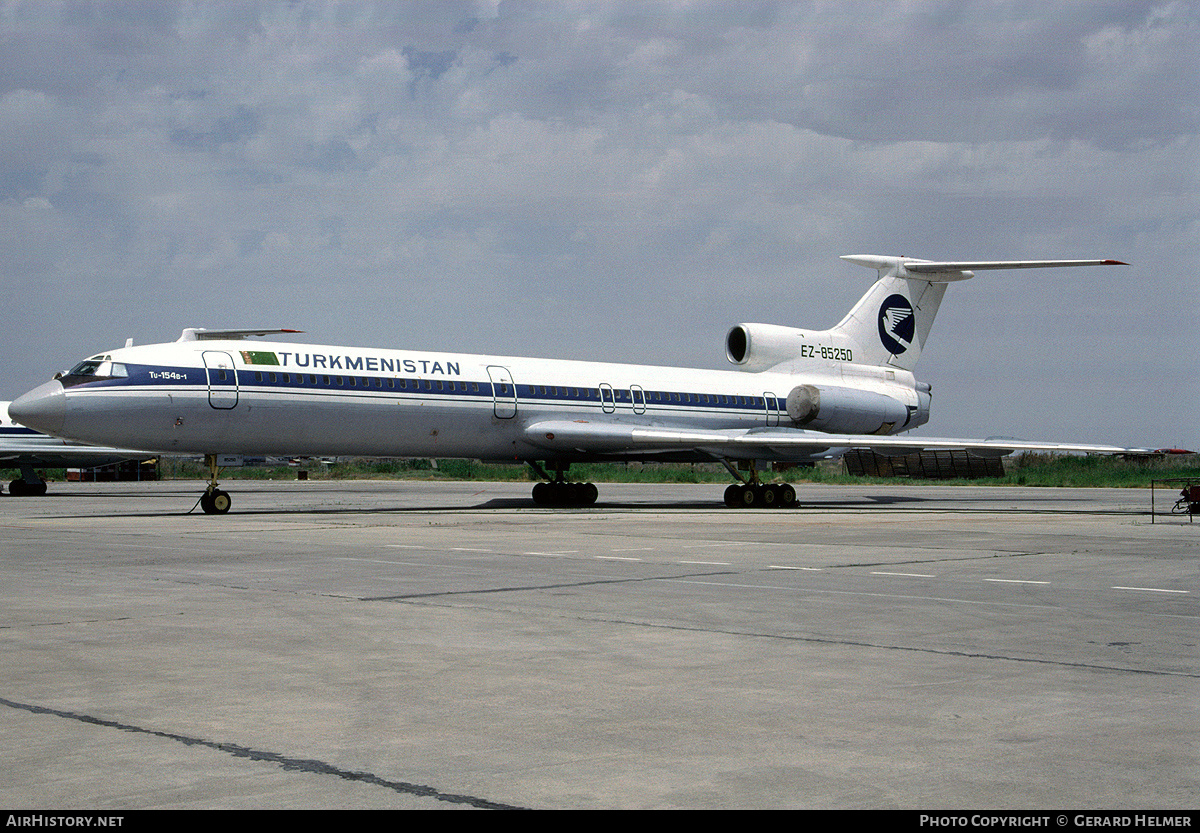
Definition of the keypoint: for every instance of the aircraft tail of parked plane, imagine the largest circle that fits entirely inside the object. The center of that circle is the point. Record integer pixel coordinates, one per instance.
(795, 396)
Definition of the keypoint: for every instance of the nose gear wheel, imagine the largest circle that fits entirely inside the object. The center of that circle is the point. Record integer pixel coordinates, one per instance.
(214, 501)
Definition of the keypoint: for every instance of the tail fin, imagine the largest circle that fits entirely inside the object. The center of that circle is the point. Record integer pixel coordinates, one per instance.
(890, 324)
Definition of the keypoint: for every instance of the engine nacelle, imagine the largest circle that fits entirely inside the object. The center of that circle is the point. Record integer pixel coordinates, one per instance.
(839, 410)
(761, 346)
(924, 403)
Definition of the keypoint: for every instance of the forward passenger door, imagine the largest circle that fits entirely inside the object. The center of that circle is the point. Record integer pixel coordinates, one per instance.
(504, 392)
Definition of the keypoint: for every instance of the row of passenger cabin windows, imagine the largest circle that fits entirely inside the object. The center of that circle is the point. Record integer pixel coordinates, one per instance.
(379, 382)
(651, 396)
(366, 382)
(699, 398)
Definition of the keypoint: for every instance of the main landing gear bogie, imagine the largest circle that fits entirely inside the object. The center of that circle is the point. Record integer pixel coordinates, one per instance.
(562, 493)
(23, 488)
(760, 495)
(557, 491)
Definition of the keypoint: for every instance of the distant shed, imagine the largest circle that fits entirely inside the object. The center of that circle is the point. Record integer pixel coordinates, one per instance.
(927, 465)
(127, 470)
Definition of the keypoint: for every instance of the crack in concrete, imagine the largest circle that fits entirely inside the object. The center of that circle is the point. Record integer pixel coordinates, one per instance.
(285, 762)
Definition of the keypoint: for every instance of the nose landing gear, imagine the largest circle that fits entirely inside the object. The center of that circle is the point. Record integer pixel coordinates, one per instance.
(214, 501)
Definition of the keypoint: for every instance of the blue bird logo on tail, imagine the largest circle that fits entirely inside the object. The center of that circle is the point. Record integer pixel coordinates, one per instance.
(897, 324)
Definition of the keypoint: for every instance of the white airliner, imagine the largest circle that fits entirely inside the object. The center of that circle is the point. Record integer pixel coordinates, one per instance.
(795, 396)
(24, 448)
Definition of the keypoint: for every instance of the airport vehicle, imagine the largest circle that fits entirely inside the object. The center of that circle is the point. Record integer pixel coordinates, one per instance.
(26, 449)
(795, 396)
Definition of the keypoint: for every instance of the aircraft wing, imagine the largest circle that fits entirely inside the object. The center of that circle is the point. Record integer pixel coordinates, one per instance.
(60, 454)
(606, 438)
(24, 447)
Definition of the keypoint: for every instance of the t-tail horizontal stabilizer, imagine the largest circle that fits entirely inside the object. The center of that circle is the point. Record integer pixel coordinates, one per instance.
(890, 324)
(944, 271)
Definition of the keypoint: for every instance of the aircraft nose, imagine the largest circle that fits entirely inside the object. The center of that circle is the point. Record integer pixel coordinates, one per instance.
(43, 409)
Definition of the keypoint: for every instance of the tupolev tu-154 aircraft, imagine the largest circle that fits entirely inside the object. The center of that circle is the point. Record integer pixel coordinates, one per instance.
(795, 396)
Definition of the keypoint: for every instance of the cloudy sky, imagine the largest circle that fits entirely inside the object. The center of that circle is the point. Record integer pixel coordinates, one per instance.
(616, 181)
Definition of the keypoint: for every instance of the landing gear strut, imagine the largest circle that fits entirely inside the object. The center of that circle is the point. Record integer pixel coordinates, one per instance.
(558, 492)
(751, 493)
(214, 501)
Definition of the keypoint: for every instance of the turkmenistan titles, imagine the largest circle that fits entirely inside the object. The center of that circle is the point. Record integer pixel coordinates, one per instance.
(370, 364)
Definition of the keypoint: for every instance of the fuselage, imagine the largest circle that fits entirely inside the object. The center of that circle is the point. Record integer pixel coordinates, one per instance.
(257, 397)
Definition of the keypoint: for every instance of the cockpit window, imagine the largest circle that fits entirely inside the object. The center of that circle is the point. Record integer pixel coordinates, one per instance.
(94, 369)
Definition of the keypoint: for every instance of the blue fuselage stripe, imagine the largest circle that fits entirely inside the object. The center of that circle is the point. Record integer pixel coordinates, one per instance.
(262, 381)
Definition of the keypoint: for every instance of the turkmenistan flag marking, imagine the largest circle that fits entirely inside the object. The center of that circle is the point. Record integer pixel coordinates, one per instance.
(259, 357)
